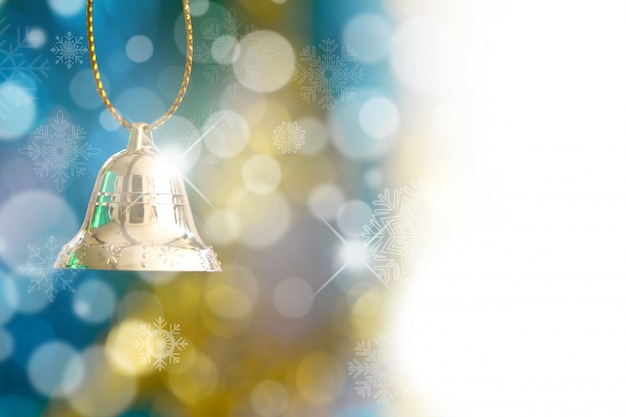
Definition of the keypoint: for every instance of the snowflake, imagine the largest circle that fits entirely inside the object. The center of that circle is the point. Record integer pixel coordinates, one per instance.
(289, 137)
(375, 370)
(69, 49)
(110, 255)
(14, 67)
(225, 48)
(394, 235)
(60, 149)
(159, 344)
(13, 64)
(170, 256)
(328, 74)
(41, 272)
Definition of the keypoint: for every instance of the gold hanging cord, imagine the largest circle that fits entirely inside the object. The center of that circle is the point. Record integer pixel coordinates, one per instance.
(98, 79)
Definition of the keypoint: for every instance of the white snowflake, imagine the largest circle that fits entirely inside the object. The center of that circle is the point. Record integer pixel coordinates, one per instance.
(170, 256)
(328, 74)
(69, 49)
(41, 272)
(13, 63)
(224, 48)
(376, 371)
(111, 255)
(159, 344)
(59, 147)
(396, 232)
(289, 137)
(14, 67)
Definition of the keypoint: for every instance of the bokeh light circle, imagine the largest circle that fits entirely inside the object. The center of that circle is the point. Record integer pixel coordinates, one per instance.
(269, 399)
(293, 298)
(30, 215)
(261, 174)
(264, 218)
(198, 8)
(222, 227)
(369, 35)
(379, 117)
(123, 356)
(66, 8)
(36, 38)
(225, 49)
(94, 301)
(18, 110)
(251, 105)
(320, 378)
(316, 135)
(352, 216)
(228, 302)
(198, 382)
(47, 368)
(103, 392)
(226, 134)
(349, 136)
(325, 200)
(107, 121)
(266, 62)
(6, 344)
(139, 48)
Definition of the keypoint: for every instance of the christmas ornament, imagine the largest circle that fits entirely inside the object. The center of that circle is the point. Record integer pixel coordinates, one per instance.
(139, 217)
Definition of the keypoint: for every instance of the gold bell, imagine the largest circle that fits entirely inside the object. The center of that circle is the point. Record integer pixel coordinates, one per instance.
(138, 217)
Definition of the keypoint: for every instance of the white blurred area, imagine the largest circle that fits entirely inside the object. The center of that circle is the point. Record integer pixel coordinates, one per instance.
(521, 309)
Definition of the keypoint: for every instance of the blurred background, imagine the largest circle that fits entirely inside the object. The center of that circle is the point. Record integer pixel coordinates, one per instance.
(302, 136)
(418, 207)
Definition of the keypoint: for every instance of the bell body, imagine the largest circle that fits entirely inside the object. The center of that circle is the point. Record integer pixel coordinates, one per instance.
(139, 217)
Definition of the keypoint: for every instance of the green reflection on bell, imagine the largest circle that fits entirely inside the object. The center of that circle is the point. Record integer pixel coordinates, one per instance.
(138, 218)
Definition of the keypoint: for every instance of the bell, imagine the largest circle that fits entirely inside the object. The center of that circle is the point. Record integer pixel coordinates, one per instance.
(138, 218)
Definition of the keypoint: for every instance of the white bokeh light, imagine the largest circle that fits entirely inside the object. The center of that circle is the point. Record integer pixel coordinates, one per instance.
(94, 301)
(222, 227)
(325, 200)
(199, 8)
(36, 37)
(139, 48)
(369, 35)
(352, 216)
(267, 74)
(17, 111)
(261, 174)
(225, 49)
(47, 368)
(66, 8)
(269, 399)
(316, 135)
(379, 117)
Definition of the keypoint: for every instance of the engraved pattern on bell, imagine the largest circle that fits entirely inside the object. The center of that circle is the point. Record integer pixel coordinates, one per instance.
(139, 217)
